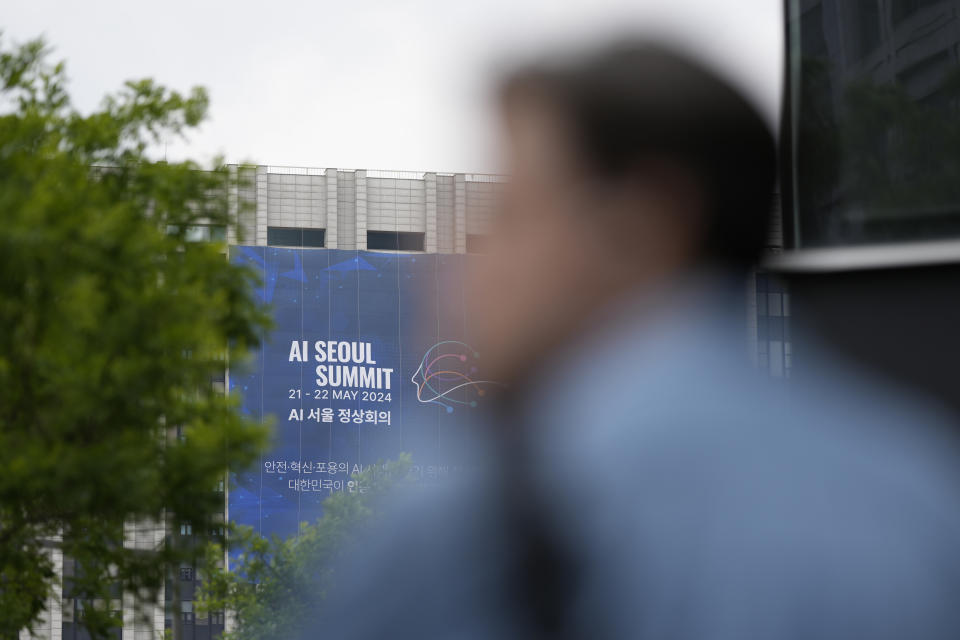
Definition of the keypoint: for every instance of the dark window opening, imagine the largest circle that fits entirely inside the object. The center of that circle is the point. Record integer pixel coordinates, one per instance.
(394, 241)
(902, 9)
(295, 237)
(867, 25)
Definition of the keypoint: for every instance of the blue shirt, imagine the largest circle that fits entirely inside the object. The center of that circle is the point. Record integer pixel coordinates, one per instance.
(685, 496)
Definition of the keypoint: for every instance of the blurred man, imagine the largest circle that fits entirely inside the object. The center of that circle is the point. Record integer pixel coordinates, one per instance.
(641, 480)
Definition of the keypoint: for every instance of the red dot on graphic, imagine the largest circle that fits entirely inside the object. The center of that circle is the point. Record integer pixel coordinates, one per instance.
(463, 358)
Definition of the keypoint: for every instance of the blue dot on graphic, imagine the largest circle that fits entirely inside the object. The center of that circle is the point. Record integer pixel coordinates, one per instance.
(449, 409)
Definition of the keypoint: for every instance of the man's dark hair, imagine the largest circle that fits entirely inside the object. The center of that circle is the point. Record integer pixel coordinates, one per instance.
(637, 101)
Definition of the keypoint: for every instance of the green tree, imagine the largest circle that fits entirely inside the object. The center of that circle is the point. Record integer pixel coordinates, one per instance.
(112, 326)
(277, 583)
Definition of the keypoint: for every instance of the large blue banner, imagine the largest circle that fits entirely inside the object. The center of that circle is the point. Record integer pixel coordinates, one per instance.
(370, 357)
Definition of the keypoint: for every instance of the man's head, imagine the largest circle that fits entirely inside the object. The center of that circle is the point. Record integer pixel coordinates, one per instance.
(629, 169)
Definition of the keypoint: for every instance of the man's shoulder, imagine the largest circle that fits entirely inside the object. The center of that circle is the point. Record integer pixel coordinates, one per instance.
(834, 423)
(838, 494)
(700, 432)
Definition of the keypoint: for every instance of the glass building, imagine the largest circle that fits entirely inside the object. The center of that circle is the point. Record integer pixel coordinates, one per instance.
(870, 139)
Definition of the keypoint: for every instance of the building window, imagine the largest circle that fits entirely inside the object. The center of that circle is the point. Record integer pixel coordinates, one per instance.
(67, 609)
(186, 530)
(186, 573)
(216, 617)
(870, 147)
(295, 237)
(903, 9)
(186, 611)
(773, 348)
(394, 241)
(867, 22)
(774, 304)
(477, 243)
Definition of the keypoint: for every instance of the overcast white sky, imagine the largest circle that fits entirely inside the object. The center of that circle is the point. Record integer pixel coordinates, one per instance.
(368, 84)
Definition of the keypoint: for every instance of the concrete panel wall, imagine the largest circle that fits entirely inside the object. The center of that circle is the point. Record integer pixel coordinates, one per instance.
(396, 204)
(347, 204)
(296, 201)
(346, 210)
(446, 227)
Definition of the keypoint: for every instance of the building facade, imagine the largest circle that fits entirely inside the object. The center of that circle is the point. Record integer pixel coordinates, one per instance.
(364, 209)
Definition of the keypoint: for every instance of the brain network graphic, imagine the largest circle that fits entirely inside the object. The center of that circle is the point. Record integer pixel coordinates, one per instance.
(446, 376)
